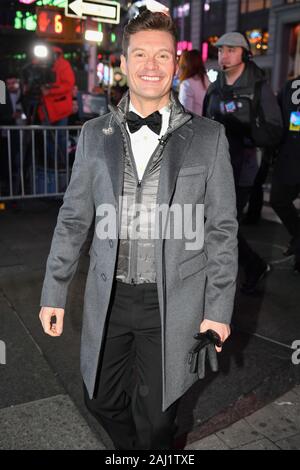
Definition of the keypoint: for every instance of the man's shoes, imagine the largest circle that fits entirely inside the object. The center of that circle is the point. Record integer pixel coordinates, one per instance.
(254, 277)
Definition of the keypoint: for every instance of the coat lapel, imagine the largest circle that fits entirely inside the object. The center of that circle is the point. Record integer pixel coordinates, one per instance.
(173, 158)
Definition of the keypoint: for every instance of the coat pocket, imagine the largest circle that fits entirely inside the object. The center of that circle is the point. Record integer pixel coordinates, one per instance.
(192, 170)
(192, 265)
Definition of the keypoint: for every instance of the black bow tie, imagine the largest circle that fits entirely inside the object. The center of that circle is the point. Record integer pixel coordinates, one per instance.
(135, 122)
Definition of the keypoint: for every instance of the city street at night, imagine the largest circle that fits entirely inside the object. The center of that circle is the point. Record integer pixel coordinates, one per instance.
(149, 227)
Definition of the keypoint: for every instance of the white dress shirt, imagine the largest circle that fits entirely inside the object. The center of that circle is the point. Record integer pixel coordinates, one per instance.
(144, 141)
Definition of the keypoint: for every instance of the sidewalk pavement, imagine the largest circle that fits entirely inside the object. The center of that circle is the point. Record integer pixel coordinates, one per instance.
(273, 427)
(41, 404)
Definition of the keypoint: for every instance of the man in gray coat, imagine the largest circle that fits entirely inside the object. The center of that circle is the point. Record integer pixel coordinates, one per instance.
(163, 260)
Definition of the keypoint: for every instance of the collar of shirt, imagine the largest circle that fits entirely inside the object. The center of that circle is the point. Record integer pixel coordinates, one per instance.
(165, 112)
(145, 141)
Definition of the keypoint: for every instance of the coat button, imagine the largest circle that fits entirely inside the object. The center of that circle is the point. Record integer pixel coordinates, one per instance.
(111, 243)
(103, 276)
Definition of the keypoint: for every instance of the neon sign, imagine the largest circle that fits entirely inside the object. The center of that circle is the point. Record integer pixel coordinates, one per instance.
(50, 22)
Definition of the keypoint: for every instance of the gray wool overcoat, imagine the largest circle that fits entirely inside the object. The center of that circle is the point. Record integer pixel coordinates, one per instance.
(192, 283)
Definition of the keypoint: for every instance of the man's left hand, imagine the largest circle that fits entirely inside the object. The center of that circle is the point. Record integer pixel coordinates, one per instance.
(222, 329)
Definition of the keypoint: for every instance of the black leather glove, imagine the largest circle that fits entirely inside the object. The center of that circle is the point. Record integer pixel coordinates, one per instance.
(202, 349)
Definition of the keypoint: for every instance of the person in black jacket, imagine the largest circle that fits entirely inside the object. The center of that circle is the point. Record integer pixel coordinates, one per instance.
(244, 103)
(286, 176)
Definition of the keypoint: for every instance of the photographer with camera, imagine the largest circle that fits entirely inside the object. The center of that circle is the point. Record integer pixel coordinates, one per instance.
(48, 83)
(56, 103)
(242, 100)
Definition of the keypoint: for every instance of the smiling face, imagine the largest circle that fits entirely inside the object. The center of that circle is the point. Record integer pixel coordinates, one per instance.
(150, 66)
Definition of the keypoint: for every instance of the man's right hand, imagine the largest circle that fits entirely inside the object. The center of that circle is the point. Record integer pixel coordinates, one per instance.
(47, 316)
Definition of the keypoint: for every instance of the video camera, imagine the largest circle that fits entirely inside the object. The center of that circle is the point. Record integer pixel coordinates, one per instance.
(38, 73)
(35, 76)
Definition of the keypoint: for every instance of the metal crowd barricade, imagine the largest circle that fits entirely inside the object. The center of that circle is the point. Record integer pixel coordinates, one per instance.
(36, 161)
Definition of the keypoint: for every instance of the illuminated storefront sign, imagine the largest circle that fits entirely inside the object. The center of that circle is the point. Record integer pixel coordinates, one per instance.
(52, 23)
(27, 2)
(53, 3)
(25, 20)
(258, 40)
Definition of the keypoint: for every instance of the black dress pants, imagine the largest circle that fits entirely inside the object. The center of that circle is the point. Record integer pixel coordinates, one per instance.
(282, 197)
(128, 397)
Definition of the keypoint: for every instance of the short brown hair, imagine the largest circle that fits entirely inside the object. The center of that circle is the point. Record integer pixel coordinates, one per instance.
(148, 21)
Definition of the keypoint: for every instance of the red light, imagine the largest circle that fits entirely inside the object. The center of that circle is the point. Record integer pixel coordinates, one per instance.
(100, 56)
(43, 22)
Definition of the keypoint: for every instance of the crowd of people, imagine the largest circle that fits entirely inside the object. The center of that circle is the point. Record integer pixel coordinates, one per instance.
(43, 95)
(258, 127)
(261, 129)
